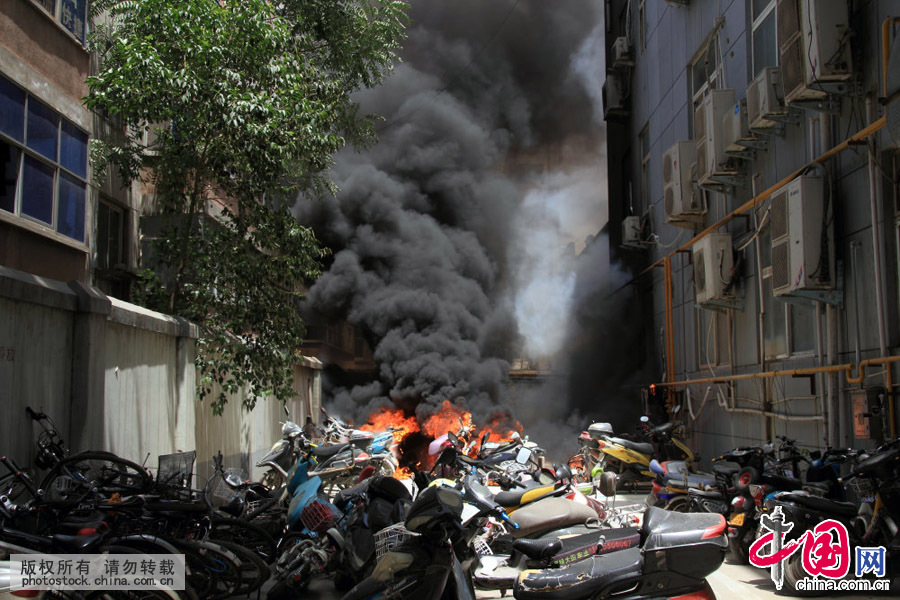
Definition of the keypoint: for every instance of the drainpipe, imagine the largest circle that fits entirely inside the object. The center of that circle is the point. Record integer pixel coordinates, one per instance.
(821, 393)
(875, 193)
(834, 423)
(761, 319)
(854, 250)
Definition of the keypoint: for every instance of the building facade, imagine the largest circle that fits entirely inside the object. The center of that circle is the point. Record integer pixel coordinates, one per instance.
(753, 189)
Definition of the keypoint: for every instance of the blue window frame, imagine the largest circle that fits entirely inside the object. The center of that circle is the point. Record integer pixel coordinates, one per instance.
(12, 110)
(71, 14)
(43, 162)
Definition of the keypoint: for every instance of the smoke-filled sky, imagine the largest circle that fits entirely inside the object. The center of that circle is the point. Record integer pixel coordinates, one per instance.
(455, 238)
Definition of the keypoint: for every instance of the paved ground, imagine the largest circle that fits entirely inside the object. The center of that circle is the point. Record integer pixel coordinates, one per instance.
(729, 581)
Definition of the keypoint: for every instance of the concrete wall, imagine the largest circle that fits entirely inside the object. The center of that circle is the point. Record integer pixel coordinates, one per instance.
(117, 377)
(661, 101)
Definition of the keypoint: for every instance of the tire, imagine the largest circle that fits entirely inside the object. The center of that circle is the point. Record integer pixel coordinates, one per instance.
(794, 572)
(84, 474)
(254, 572)
(272, 480)
(739, 549)
(746, 477)
(244, 534)
(680, 504)
(387, 467)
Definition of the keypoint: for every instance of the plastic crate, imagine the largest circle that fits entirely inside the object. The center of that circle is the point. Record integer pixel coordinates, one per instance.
(319, 515)
(390, 537)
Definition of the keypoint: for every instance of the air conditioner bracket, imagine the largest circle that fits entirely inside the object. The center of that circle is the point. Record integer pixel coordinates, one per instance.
(723, 304)
(833, 297)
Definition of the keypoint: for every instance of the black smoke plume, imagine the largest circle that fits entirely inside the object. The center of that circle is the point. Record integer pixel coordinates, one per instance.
(489, 164)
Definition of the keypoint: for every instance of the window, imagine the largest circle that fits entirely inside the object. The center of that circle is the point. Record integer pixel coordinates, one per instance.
(763, 38)
(706, 70)
(43, 158)
(72, 14)
(790, 328)
(110, 236)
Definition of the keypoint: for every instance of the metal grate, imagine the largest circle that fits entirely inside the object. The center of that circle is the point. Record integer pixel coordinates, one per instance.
(700, 271)
(175, 471)
(862, 488)
(700, 122)
(223, 490)
(778, 215)
(670, 201)
(792, 74)
(781, 265)
(390, 537)
(702, 166)
(319, 515)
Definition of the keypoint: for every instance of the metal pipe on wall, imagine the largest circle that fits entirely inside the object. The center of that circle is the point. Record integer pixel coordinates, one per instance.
(875, 193)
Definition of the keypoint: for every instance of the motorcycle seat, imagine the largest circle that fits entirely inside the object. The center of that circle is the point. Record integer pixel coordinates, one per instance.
(549, 514)
(513, 498)
(539, 549)
(666, 529)
(726, 469)
(324, 452)
(74, 544)
(711, 494)
(583, 579)
(642, 447)
(843, 509)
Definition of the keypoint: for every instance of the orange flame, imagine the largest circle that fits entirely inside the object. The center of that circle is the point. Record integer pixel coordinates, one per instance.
(403, 473)
(385, 417)
(449, 418)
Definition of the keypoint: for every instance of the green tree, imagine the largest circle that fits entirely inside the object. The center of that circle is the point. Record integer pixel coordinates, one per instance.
(247, 102)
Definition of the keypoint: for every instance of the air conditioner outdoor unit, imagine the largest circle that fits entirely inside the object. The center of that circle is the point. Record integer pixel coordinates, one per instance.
(621, 53)
(814, 46)
(631, 232)
(613, 98)
(713, 263)
(802, 242)
(708, 131)
(765, 99)
(734, 128)
(682, 206)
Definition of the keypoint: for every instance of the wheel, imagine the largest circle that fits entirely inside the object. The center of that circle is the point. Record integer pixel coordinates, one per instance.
(272, 479)
(244, 534)
(254, 572)
(680, 504)
(387, 467)
(88, 473)
(739, 549)
(794, 572)
(746, 477)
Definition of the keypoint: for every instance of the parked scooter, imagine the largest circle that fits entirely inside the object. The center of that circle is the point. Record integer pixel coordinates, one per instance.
(631, 460)
(281, 457)
(677, 553)
(435, 561)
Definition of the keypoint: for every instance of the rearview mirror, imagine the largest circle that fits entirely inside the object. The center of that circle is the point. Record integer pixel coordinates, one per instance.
(453, 438)
(523, 456)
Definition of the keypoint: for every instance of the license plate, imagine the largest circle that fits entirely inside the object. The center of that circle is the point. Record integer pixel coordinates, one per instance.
(737, 520)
